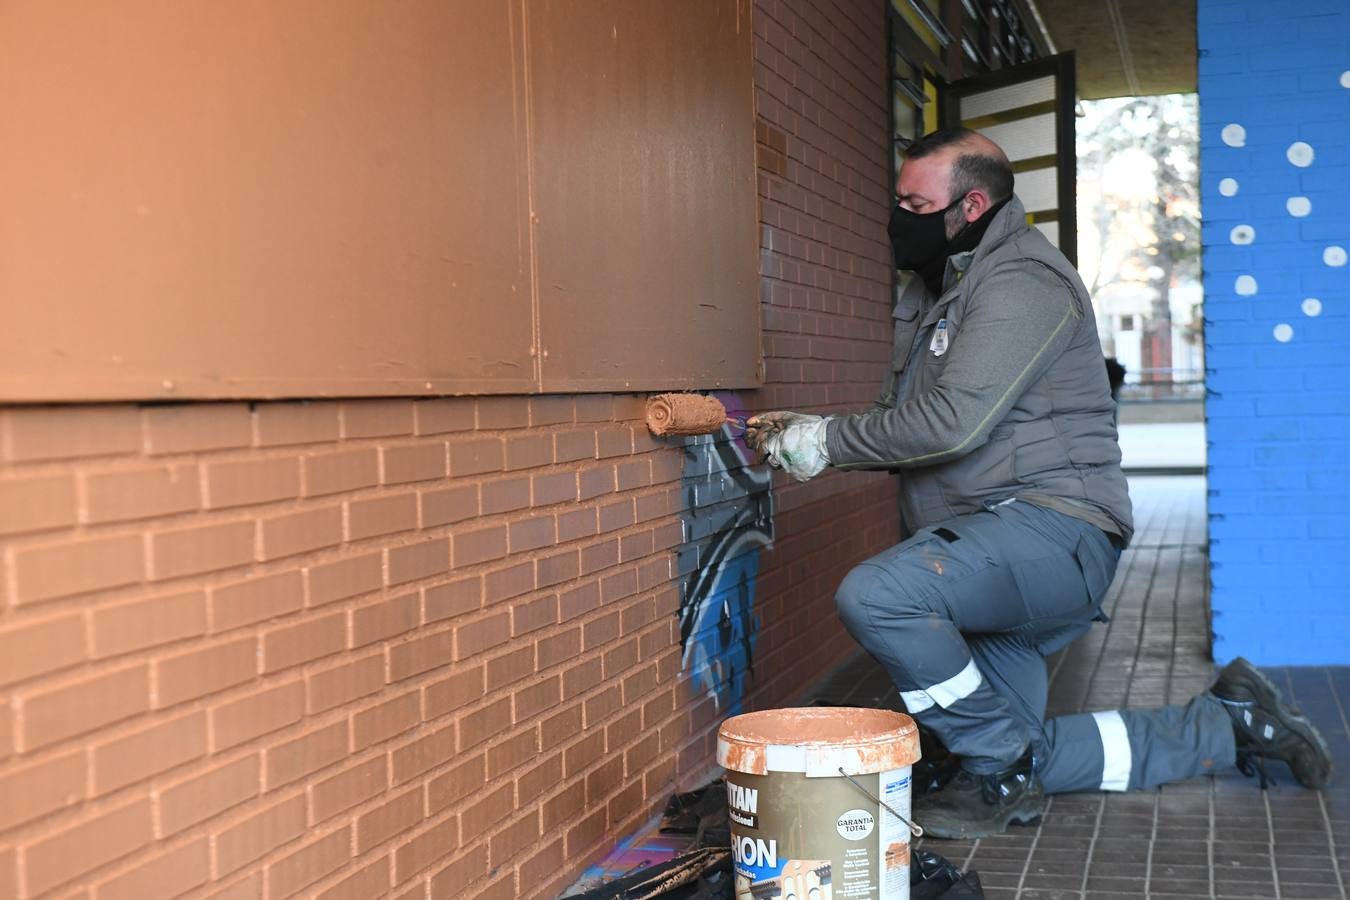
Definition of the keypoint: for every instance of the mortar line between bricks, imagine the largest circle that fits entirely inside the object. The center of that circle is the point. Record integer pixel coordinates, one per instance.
(1138, 648)
(1106, 638)
(1139, 560)
(1321, 797)
(1064, 657)
(1335, 695)
(970, 857)
(1270, 837)
(1092, 844)
(1031, 851)
(1172, 648)
(1139, 635)
(1331, 843)
(1152, 843)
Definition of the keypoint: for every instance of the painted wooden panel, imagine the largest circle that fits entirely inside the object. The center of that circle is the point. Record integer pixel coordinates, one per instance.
(261, 199)
(643, 130)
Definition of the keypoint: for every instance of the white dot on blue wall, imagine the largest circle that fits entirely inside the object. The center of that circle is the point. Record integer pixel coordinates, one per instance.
(1245, 285)
(1242, 234)
(1300, 154)
(1284, 332)
(1312, 307)
(1298, 206)
(1334, 256)
(1345, 79)
(1228, 187)
(1234, 135)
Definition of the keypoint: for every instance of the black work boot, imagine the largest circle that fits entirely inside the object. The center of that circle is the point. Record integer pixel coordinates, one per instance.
(1266, 728)
(972, 806)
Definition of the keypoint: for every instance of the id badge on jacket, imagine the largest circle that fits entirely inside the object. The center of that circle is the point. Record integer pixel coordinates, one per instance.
(939, 343)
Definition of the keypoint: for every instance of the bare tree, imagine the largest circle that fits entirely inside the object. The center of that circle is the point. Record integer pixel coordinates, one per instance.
(1150, 235)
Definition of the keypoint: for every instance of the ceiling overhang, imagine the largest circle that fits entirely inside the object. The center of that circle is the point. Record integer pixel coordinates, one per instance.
(1125, 48)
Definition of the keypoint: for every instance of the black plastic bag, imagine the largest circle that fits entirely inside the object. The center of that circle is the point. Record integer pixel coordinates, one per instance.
(705, 871)
(933, 877)
(706, 875)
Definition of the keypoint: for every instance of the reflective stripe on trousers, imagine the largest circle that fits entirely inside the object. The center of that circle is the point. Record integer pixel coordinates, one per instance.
(962, 615)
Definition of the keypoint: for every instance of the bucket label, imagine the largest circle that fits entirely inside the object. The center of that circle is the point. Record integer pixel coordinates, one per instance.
(894, 837)
(798, 837)
(757, 857)
(743, 805)
(855, 824)
(743, 798)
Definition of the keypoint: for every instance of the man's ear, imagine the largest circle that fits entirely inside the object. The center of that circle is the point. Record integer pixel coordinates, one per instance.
(975, 204)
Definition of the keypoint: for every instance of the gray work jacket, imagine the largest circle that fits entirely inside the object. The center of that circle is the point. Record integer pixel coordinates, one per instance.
(998, 390)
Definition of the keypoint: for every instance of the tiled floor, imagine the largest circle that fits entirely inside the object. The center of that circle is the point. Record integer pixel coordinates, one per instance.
(1213, 837)
(1172, 447)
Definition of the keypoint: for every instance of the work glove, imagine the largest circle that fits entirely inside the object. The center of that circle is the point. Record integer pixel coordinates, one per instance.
(759, 428)
(793, 442)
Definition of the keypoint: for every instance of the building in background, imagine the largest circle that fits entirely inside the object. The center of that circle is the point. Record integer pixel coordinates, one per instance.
(1139, 228)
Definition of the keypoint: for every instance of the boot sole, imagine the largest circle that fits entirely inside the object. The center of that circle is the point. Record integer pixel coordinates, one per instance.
(1269, 697)
(969, 832)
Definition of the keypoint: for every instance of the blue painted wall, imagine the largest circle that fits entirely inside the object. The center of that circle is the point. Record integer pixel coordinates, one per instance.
(1275, 163)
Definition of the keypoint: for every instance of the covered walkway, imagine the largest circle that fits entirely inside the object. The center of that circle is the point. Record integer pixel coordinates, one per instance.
(1211, 837)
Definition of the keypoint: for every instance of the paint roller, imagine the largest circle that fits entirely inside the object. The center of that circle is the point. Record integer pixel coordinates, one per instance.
(687, 414)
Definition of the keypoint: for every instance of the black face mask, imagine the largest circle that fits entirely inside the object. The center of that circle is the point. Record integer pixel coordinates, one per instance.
(919, 240)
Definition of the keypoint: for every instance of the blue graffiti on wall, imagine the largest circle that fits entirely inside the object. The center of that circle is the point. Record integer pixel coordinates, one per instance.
(728, 517)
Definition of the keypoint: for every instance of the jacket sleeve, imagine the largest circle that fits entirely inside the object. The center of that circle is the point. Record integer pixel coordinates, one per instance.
(1019, 320)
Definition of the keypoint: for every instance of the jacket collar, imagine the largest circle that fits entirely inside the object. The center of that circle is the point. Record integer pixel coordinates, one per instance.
(1008, 222)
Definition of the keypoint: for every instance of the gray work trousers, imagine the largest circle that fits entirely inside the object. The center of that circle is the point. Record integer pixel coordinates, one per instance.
(962, 616)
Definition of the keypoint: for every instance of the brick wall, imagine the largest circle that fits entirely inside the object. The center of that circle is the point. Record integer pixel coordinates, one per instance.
(1275, 128)
(437, 647)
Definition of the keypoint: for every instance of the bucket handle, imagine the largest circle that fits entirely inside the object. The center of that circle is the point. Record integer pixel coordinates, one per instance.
(914, 828)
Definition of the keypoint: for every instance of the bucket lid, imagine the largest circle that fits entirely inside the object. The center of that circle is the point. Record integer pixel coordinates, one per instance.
(818, 741)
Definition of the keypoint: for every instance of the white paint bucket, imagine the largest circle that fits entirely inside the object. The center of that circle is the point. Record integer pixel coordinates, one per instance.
(819, 802)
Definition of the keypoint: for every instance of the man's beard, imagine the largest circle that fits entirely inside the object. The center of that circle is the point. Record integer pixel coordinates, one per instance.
(955, 222)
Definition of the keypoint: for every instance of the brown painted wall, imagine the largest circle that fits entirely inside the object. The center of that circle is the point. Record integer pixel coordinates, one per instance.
(417, 648)
(257, 199)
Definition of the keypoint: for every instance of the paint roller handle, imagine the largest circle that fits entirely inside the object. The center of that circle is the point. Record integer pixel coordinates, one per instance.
(759, 428)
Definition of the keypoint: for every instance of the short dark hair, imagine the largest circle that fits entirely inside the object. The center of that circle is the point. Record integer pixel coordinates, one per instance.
(971, 170)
